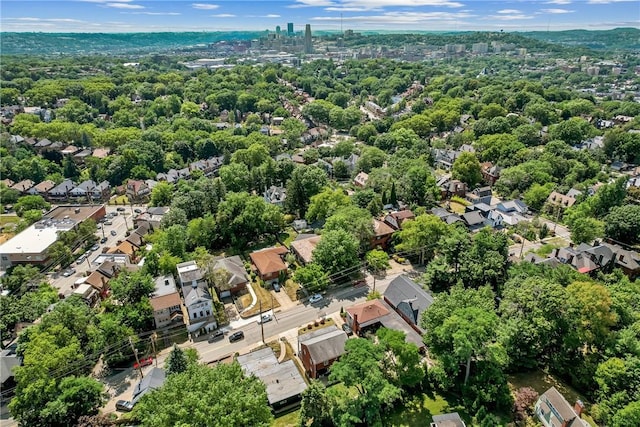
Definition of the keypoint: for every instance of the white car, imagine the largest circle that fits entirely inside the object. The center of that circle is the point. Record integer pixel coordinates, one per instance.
(315, 298)
(265, 318)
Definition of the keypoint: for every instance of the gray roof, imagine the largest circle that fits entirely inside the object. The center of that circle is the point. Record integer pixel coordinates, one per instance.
(195, 294)
(8, 360)
(153, 380)
(448, 420)
(473, 218)
(324, 344)
(408, 297)
(553, 398)
(283, 380)
(235, 267)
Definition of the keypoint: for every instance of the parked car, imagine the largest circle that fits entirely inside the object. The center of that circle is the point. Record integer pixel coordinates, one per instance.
(315, 298)
(68, 272)
(347, 329)
(236, 336)
(124, 406)
(113, 232)
(80, 260)
(136, 210)
(143, 362)
(265, 318)
(95, 247)
(120, 209)
(108, 223)
(104, 239)
(216, 336)
(276, 287)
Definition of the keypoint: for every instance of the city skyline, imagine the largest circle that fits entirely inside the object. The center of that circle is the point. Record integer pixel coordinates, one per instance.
(109, 16)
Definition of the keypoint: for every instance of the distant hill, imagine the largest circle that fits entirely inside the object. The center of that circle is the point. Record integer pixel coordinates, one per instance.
(74, 44)
(616, 39)
(111, 44)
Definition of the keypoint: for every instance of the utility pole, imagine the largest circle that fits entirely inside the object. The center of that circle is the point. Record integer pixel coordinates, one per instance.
(273, 310)
(154, 336)
(261, 322)
(135, 353)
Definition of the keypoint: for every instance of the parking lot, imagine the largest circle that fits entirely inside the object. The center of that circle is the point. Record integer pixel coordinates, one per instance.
(113, 230)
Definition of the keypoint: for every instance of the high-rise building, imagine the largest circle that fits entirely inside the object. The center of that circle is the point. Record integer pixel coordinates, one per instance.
(278, 29)
(308, 46)
(290, 28)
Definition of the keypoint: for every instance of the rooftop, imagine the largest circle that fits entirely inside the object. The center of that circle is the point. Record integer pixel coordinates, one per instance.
(304, 246)
(32, 240)
(268, 260)
(165, 301)
(164, 285)
(324, 344)
(283, 380)
(76, 213)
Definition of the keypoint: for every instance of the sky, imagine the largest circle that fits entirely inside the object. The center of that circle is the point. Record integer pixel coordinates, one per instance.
(117, 16)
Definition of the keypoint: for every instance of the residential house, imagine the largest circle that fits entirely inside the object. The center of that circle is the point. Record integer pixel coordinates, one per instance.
(9, 360)
(584, 258)
(152, 380)
(397, 218)
(319, 349)
(42, 189)
(136, 238)
(382, 234)
(125, 248)
(167, 309)
(490, 173)
(283, 381)
(237, 276)
(361, 179)
(303, 247)
(275, 195)
(560, 200)
(370, 315)
(137, 190)
(87, 293)
(151, 218)
(453, 187)
(61, 191)
(42, 144)
(99, 281)
(101, 153)
(408, 299)
(447, 420)
(479, 195)
(268, 262)
(513, 206)
(445, 215)
(23, 186)
(189, 276)
(199, 310)
(443, 158)
(164, 285)
(91, 190)
(7, 182)
(626, 260)
(495, 219)
(474, 220)
(553, 410)
(69, 150)
(80, 156)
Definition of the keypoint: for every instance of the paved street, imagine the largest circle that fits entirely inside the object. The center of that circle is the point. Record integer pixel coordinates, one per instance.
(119, 225)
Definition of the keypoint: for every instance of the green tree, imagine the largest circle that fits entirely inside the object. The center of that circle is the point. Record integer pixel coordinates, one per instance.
(337, 252)
(403, 362)
(185, 399)
(131, 287)
(585, 229)
(177, 361)
(572, 131)
(326, 203)
(467, 169)
(27, 203)
(162, 194)
(377, 261)
(316, 406)
(421, 236)
(536, 196)
(356, 221)
(623, 224)
(305, 182)
(629, 415)
(312, 277)
(60, 254)
(360, 368)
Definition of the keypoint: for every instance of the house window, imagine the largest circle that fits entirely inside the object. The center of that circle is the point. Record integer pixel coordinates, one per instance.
(201, 314)
(195, 315)
(208, 313)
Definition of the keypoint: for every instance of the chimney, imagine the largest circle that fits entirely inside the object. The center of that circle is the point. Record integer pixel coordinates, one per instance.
(600, 259)
(578, 407)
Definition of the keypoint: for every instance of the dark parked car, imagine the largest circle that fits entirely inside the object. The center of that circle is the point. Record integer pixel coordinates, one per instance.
(236, 336)
(120, 209)
(216, 336)
(124, 405)
(104, 239)
(276, 287)
(347, 329)
(137, 210)
(113, 232)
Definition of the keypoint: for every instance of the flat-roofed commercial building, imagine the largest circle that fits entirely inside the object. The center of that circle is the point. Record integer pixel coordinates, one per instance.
(31, 245)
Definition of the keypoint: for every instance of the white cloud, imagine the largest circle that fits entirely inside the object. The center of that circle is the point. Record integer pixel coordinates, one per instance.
(223, 15)
(511, 17)
(510, 11)
(124, 6)
(556, 11)
(271, 15)
(405, 18)
(365, 5)
(204, 6)
(54, 20)
(558, 2)
(609, 1)
(153, 13)
(106, 1)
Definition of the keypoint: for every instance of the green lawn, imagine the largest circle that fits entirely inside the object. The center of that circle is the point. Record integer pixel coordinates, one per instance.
(8, 219)
(287, 420)
(419, 409)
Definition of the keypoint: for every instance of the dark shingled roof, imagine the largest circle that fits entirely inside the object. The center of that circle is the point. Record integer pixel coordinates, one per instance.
(408, 297)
